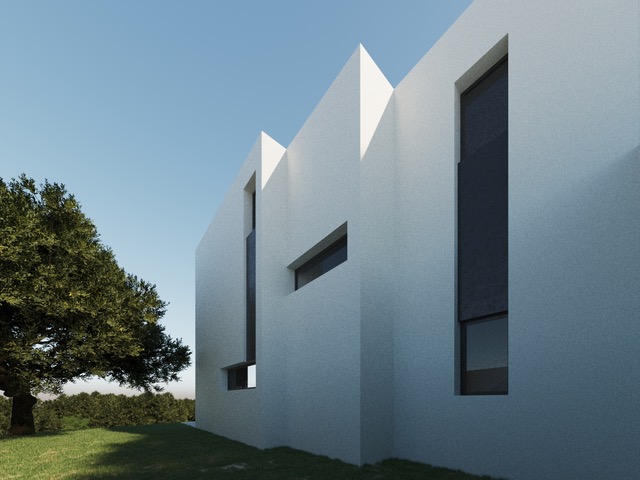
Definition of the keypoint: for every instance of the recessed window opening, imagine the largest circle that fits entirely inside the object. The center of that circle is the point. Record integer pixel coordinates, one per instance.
(250, 249)
(483, 235)
(241, 377)
(326, 260)
(251, 296)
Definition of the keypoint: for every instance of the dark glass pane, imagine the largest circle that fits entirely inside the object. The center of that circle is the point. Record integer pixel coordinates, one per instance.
(483, 198)
(307, 273)
(253, 211)
(326, 260)
(251, 296)
(485, 110)
(482, 231)
(335, 258)
(489, 381)
(237, 378)
(485, 350)
(487, 344)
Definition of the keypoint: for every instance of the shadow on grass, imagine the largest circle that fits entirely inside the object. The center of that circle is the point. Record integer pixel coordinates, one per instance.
(176, 451)
(53, 433)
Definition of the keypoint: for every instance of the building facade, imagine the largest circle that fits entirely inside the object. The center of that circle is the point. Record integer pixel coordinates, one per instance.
(447, 271)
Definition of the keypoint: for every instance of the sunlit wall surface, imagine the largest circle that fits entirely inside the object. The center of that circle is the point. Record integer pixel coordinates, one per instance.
(365, 362)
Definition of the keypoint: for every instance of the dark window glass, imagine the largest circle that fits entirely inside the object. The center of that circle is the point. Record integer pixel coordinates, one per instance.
(253, 211)
(237, 378)
(485, 356)
(326, 260)
(482, 198)
(251, 296)
(485, 110)
(483, 233)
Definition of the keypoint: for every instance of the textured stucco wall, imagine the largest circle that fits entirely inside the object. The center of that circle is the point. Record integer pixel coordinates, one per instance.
(308, 353)
(316, 329)
(319, 322)
(221, 315)
(377, 250)
(574, 378)
(434, 424)
(575, 230)
(362, 363)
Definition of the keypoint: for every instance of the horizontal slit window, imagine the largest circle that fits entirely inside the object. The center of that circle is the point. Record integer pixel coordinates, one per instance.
(326, 260)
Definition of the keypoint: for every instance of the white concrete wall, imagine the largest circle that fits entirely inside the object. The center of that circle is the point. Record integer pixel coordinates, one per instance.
(314, 332)
(378, 252)
(273, 284)
(362, 363)
(221, 317)
(575, 230)
(320, 320)
(574, 256)
(308, 355)
(323, 162)
(432, 423)
(221, 303)
(358, 98)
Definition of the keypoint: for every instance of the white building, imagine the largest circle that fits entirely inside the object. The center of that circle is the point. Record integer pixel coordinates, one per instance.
(487, 316)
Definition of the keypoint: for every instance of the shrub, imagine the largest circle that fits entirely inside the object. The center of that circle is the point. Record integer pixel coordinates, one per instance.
(104, 410)
(46, 417)
(75, 423)
(5, 413)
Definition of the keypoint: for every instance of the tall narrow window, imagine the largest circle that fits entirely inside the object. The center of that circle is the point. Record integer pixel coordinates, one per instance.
(251, 285)
(483, 235)
(243, 375)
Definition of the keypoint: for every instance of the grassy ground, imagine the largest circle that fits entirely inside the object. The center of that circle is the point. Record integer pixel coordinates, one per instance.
(176, 451)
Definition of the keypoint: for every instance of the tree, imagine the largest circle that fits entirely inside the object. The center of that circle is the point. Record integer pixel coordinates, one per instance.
(67, 310)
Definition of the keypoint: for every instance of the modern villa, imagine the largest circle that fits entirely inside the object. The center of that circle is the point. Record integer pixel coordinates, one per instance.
(448, 270)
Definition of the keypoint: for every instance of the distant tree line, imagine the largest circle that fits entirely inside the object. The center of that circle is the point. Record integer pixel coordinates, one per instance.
(86, 410)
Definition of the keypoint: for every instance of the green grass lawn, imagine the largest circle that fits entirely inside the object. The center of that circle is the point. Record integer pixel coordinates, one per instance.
(176, 451)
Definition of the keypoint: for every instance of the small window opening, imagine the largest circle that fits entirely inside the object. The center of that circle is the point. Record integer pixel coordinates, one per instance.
(241, 377)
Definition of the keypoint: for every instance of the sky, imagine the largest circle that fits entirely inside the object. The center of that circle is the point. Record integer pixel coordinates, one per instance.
(146, 109)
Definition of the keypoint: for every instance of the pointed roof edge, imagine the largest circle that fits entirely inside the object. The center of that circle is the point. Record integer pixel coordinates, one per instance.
(365, 56)
(265, 137)
(271, 152)
(375, 91)
(366, 68)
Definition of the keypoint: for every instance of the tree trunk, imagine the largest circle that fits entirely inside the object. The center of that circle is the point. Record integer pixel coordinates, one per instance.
(22, 414)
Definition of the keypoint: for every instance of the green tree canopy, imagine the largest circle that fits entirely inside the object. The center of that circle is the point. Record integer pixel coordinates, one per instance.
(67, 310)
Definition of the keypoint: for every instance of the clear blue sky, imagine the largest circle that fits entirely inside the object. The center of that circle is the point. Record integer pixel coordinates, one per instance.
(146, 109)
